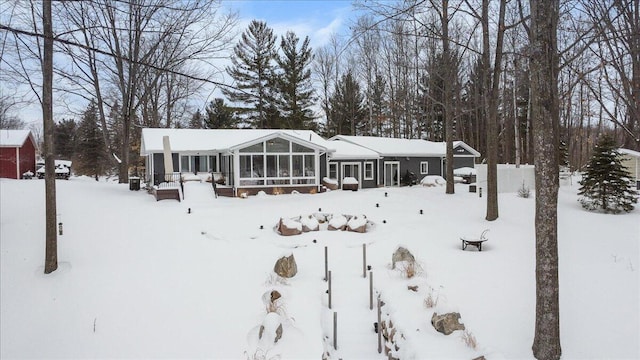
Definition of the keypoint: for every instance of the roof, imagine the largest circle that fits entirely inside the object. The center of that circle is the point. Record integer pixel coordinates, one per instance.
(14, 138)
(220, 140)
(402, 147)
(629, 152)
(346, 150)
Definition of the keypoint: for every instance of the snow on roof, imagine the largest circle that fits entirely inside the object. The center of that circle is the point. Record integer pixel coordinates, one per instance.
(346, 150)
(629, 152)
(13, 138)
(185, 140)
(401, 147)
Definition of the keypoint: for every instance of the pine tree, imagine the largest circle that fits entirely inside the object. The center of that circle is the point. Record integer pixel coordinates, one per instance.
(64, 139)
(197, 121)
(253, 73)
(90, 147)
(347, 110)
(606, 182)
(220, 116)
(294, 83)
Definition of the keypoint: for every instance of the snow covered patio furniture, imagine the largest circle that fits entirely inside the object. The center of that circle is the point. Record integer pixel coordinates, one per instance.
(350, 183)
(477, 242)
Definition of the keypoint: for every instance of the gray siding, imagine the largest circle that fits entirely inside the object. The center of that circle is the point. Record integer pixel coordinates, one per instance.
(459, 162)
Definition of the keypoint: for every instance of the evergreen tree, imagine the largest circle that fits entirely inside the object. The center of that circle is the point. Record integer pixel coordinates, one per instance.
(220, 116)
(294, 83)
(347, 110)
(64, 139)
(253, 72)
(90, 159)
(197, 121)
(606, 184)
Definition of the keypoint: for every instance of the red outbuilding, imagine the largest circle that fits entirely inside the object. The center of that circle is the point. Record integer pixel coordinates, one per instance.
(17, 153)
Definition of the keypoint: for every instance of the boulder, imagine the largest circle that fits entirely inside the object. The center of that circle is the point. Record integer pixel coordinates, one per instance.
(402, 254)
(446, 323)
(310, 223)
(286, 267)
(288, 227)
(271, 328)
(358, 224)
(337, 222)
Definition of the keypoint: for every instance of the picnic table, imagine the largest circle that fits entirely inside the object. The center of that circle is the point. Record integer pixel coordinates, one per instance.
(473, 241)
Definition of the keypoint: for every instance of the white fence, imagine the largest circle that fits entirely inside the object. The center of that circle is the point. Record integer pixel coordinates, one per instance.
(510, 178)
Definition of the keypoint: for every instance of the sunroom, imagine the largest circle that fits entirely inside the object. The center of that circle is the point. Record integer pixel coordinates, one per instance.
(276, 164)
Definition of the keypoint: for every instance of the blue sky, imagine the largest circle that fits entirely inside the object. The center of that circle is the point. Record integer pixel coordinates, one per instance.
(317, 19)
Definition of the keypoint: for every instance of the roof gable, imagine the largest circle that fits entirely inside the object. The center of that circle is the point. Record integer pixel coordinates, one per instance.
(15, 138)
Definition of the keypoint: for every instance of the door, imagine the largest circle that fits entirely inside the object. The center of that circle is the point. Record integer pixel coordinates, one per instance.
(391, 173)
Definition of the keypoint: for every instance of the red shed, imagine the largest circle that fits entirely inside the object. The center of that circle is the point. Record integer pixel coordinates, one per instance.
(17, 153)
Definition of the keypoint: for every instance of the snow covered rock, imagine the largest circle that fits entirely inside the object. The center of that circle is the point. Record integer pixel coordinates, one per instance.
(337, 222)
(271, 328)
(446, 323)
(357, 223)
(402, 254)
(286, 267)
(309, 223)
(288, 227)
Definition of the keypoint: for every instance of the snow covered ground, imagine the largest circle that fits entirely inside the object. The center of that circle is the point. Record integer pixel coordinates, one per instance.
(144, 279)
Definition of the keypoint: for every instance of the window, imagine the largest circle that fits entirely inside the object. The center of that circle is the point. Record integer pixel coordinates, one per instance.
(297, 148)
(213, 163)
(277, 145)
(333, 171)
(259, 147)
(368, 170)
(424, 167)
(184, 164)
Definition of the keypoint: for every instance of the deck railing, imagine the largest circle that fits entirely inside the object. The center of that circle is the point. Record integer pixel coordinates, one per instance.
(169, 181)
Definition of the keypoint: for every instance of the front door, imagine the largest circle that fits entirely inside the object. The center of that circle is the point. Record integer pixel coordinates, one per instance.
(391, 173)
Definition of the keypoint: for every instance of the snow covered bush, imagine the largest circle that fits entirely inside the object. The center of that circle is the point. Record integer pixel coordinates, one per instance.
(524, 191)
(606, 184)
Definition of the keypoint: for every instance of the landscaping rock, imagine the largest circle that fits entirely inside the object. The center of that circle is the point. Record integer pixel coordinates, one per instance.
(310, 223)
(446, 323)
(271, 328)
(286, 266)
(401, 254)
(337, 222)
(288, 227)
(358, 224)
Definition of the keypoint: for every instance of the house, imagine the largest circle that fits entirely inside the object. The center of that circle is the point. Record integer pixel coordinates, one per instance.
(246, 161)
(243, 161)
(379, 161)
(17, 153)
(631, 159)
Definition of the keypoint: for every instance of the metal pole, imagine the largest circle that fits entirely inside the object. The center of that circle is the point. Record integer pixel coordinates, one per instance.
(370, 290)
(326, 262)
(364, 261)
(335, 330)
(329, 279)
(379, 327)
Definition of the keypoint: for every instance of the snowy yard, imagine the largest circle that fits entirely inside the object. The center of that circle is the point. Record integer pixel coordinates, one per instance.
(144, 279)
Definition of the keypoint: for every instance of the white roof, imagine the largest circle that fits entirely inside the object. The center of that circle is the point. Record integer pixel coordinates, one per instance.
(402, 147)
(629, 152)
(13, 138)
(346, 150)
(219, 140)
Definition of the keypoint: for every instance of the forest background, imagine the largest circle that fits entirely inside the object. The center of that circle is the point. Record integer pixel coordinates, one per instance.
(381, 68)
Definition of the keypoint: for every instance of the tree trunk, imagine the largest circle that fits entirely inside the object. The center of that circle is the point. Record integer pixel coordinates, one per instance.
(545, 118)
(51, 247)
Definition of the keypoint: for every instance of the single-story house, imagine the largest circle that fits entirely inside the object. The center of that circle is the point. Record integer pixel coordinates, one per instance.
(631, 159)
(379, 161)
(17, 153)
(246, 161)
(243, 161)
